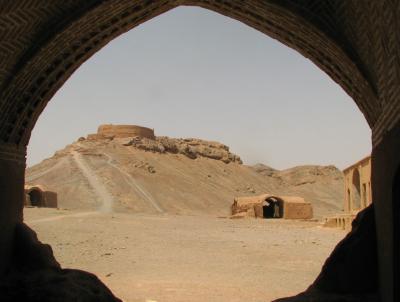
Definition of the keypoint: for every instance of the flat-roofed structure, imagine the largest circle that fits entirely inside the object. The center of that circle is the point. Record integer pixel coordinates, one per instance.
(272, 206)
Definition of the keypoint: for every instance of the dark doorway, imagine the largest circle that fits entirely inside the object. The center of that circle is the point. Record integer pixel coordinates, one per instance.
(396, 233)
(348, 204)
(272, 208)
(36, 198)
(356, 190)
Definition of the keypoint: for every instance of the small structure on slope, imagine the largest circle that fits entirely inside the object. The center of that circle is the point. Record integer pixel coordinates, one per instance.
(272, 206)
(37, 196)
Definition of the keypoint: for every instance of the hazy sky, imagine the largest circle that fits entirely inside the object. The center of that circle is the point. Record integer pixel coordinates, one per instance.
(194, 73)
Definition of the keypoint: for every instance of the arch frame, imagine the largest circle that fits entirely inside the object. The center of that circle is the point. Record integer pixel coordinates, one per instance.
(26, 93)
(54, 60)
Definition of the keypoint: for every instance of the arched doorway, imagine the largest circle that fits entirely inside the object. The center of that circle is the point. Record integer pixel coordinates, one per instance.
(273, 208)
(35, 197)
(356, 196)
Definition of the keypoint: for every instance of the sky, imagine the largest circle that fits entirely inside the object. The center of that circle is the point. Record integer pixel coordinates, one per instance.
(194, 73)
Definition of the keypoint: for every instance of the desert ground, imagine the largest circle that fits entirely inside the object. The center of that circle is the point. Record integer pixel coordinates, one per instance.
(171, 258)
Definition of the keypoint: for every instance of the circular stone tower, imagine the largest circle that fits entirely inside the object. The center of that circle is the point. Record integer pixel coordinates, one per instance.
(121, 131)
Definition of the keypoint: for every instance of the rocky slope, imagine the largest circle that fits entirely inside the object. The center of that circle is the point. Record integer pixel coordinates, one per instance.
(168, 175)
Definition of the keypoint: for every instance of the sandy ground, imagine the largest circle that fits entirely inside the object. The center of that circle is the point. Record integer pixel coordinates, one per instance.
(168, 258)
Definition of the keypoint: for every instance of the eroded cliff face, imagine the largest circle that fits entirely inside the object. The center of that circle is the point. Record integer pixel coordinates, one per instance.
(141, 174)
(190, 147)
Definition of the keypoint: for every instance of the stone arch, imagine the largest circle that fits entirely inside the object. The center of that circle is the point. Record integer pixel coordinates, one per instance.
(47, 65)
(356, 190)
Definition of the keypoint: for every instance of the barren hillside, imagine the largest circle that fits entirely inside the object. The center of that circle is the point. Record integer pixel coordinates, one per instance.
(178, 176)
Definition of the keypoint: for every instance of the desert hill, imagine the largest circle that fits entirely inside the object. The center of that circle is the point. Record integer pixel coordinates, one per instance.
(128, 169)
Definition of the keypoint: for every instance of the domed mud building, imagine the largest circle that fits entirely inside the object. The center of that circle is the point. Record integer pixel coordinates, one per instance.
(356, 42)
(38, 196)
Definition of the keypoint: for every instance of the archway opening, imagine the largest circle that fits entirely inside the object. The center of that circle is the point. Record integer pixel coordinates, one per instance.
(273, 208)
(356, 197)
(36, 198)
(90, 160)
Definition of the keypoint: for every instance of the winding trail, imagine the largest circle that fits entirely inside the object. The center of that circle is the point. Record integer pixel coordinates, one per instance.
(135, 185)
(97, 186)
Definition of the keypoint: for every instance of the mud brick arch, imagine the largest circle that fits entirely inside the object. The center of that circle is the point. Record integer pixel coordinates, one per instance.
(357, 43)
(51, 60)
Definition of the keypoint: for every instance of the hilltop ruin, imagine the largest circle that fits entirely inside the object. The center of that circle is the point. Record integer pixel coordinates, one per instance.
(127, 168)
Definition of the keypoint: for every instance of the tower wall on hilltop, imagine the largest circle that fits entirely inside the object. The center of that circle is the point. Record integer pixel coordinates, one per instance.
(125, 131)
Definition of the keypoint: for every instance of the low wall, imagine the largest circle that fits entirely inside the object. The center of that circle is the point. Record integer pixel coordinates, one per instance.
(343, 221)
